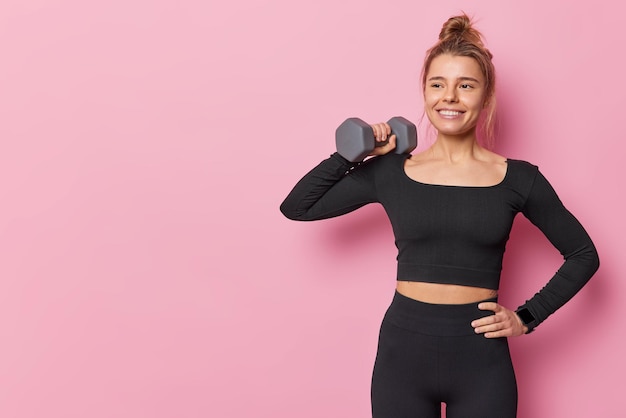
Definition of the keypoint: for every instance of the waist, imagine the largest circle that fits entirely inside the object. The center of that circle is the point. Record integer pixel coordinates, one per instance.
(432, 318)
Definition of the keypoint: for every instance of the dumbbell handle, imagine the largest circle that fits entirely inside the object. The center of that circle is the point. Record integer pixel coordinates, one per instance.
(383, 143)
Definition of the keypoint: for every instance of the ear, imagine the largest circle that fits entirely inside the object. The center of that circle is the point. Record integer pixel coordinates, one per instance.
(486, 102)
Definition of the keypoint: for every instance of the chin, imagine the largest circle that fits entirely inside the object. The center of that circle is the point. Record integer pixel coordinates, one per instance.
(457, 132)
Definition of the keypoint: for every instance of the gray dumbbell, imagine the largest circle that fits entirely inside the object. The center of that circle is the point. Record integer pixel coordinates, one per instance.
(355, 138)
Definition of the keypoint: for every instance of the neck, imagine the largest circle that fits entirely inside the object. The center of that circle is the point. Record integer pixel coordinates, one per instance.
(456, 148)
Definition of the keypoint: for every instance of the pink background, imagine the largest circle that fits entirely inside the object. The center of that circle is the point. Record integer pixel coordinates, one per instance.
(145, 270)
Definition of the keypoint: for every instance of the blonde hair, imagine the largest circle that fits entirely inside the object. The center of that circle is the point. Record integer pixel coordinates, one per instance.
(459, 38)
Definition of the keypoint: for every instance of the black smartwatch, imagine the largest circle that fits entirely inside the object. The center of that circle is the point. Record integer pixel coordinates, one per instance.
(528, 319)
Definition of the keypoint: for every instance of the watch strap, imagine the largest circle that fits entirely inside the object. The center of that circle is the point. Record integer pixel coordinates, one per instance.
(528, 319)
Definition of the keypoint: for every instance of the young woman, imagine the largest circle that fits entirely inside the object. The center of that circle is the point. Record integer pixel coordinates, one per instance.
(444, 337)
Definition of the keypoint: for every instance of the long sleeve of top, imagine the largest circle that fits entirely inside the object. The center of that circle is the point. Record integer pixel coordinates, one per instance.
(332, 188)
(546, 211)
(452, 234)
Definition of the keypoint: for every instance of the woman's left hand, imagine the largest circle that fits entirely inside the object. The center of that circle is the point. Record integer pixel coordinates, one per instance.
(503, 323)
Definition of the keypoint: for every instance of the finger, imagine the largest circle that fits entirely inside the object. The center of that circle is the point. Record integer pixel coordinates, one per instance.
(489, 323)
(385, 148)
(375, 130)
(491, 327)
(388, 129)
(507, 330)
(498, 334)
(486, 320)
(383, 131)
(392, 143)
(490, 306)
(505, 324)
(378, 132)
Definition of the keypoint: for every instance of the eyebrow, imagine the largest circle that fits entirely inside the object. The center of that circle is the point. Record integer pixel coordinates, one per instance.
(437, 78)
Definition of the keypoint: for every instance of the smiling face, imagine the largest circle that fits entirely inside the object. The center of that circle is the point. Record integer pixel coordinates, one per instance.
(454, 94)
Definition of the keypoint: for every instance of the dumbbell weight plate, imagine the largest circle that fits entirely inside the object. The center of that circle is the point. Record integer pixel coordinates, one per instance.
(354, 139)
(406, 134)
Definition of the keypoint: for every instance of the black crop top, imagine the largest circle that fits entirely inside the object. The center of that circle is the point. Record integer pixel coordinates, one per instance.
(452, 234)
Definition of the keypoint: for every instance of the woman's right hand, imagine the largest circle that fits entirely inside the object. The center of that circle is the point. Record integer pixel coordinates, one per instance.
(382, 132)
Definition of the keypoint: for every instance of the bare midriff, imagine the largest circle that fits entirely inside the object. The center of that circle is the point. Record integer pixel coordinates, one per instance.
(444, 293)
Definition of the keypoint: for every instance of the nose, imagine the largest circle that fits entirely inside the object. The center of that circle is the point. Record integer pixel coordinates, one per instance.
(450, 95)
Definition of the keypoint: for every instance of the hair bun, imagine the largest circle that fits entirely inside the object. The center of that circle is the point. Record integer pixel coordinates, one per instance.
(459, 28)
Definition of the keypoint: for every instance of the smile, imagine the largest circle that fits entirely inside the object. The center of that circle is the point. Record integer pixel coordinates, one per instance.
(449, 112)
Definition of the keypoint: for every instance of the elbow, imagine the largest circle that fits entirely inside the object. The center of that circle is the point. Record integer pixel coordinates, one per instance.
(590, 258)
(595, 264)
(290, 212)
(287, 211)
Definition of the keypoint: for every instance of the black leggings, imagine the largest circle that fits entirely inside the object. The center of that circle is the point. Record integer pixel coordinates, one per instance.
(429, 354)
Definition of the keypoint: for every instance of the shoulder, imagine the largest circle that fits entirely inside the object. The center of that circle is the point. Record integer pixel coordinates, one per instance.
(385, 162)
(379, 168)
(527, 179)
(522, 167)
(521, 176)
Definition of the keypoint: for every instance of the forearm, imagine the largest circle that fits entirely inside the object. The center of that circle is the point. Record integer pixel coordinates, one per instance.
(328, 190)
(575, 272)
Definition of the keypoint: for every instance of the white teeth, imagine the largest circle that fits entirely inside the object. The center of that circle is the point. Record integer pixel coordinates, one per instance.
(449, 112)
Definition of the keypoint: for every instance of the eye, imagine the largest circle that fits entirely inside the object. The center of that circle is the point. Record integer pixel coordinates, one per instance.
(436, 85)
(467, 86)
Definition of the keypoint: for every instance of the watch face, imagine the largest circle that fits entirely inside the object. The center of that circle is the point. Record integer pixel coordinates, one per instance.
(525, 316)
